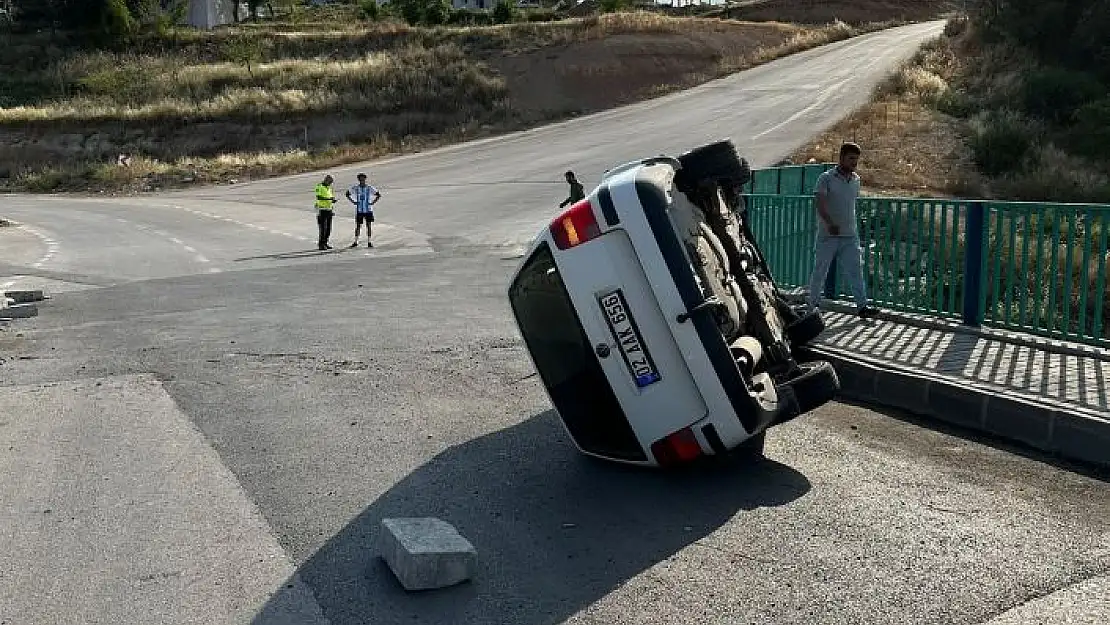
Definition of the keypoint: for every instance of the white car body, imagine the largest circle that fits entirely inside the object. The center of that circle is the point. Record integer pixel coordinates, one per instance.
(636, 373)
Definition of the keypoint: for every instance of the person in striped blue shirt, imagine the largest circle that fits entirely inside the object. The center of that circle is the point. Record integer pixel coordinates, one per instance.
(363, 196)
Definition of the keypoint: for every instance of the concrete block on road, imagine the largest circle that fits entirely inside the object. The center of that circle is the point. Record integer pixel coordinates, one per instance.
(426, 553)
(19, 311)
(25, 297)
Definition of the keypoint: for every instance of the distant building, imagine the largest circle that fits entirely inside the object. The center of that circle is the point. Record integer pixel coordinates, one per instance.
(210, 13)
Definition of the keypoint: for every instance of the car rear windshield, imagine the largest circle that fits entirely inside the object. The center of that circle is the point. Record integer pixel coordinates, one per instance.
(565, 360)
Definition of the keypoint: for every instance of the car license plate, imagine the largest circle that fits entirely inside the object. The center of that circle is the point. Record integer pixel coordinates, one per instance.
(628, 339)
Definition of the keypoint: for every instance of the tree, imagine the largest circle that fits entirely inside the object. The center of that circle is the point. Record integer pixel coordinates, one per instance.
(504, 12)
(437, 12)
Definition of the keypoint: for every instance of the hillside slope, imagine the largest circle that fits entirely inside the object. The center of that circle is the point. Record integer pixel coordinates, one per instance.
(259, 100)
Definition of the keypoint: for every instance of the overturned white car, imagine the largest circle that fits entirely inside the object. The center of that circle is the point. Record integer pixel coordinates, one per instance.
(654, 322)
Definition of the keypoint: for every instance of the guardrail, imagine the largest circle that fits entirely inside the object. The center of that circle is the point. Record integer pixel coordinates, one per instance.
(1032, 267)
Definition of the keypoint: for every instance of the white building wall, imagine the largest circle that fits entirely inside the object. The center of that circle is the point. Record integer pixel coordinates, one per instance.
(210, 13)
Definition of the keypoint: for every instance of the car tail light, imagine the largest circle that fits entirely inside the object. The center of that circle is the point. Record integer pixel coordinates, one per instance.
(679, 447)
(576, 226)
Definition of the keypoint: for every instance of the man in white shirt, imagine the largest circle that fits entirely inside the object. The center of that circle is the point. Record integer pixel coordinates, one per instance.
(364, 197)
(837, 233)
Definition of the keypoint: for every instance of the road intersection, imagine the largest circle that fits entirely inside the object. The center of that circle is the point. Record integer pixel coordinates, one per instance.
(209, 419)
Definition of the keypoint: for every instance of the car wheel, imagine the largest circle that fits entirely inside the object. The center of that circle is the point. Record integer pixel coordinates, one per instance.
(717, 161)
(805, 329)
(815, 386)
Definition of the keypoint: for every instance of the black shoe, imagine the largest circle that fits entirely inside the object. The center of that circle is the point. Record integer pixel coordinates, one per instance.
(355, 244)
(867, 312)
(369, 244)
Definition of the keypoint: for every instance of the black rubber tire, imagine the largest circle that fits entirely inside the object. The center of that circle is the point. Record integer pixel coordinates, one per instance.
(716, 162)
(816, 386)
(805, 329)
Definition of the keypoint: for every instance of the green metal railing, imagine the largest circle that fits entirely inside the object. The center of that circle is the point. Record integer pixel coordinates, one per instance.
(1038, 268)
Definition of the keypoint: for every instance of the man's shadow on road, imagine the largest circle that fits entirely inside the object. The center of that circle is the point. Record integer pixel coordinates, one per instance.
(555, 531)
(297, 254)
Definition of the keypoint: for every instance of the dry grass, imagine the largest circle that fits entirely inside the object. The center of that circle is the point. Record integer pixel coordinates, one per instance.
(825, 11)
(150, 89)
(252, 101)
(909, 148)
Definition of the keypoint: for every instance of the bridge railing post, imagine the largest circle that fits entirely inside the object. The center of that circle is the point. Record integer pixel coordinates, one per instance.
(975, 239)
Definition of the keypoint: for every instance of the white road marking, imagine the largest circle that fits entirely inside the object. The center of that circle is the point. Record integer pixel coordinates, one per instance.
(238, 222)
(50, 243)
(198, 257)
(819, 101)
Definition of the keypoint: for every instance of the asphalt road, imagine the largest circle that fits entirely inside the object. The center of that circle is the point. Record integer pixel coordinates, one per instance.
(209, 419)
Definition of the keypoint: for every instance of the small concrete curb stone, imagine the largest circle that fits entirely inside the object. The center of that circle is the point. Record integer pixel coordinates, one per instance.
(25, 297)
(1073, 434)
(426, 553)
(19, 311)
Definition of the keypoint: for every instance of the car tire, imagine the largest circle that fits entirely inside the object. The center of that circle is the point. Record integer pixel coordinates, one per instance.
(713, 162)
(815, 386)
(805, 329)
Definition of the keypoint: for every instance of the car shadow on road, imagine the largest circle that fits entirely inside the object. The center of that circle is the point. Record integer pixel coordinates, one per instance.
(555, 531)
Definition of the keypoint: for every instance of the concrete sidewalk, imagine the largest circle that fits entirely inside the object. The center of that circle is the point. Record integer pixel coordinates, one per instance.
(1050, 395)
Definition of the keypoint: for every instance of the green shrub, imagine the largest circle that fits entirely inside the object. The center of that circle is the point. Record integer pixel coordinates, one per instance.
(956, 103)
(469, 17)
(542, 15)
(1054, 94)
(437, 12)
(369, 10)
(412, 12)
(504, 12)
(1002, 143)
(118, 21)
(1090, 135)
(955, 26)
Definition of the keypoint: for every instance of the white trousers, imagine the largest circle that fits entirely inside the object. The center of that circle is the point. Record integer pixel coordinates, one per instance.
(849, 260)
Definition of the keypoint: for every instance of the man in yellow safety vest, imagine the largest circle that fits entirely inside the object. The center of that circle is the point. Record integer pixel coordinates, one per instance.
(325, 199)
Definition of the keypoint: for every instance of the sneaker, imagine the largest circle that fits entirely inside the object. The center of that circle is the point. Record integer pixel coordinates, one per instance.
(867, 312)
